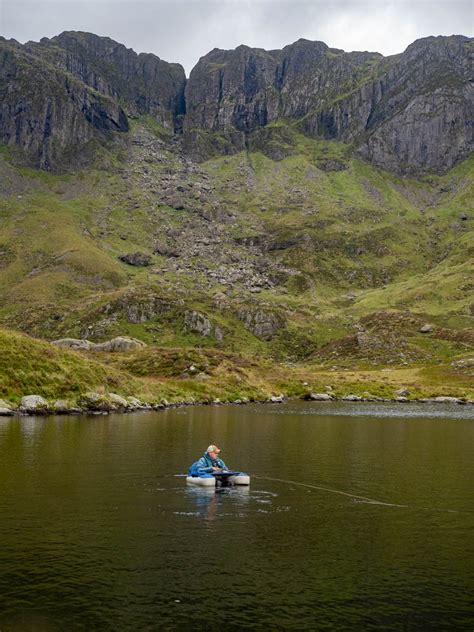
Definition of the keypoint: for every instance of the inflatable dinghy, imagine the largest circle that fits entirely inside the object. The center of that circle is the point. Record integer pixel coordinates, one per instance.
(225, 479)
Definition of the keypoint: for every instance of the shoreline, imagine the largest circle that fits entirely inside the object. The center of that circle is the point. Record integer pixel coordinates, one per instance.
(106, 408)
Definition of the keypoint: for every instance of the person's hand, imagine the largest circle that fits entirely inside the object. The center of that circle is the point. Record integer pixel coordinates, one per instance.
(216, 469)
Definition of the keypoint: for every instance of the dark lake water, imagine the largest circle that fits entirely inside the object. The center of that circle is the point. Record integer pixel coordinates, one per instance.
(97, 532)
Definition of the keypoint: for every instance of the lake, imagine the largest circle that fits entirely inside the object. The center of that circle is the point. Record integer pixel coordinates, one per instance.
(358, 516)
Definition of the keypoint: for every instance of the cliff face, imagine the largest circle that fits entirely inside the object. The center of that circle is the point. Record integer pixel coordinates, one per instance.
(46, 115)
(58, 95)
(409, 112)
(143, 84)
(247, 88)
(422, 119)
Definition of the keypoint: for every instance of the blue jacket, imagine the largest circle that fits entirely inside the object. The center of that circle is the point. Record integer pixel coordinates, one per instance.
(205, 464)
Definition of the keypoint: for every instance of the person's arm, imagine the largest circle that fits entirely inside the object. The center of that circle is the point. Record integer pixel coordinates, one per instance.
(202, 467)
(221, 464)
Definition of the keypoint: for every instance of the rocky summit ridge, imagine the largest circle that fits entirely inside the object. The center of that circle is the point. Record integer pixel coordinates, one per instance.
(408, 113)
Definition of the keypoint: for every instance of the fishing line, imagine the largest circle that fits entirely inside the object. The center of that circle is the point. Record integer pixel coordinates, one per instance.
(372, 501)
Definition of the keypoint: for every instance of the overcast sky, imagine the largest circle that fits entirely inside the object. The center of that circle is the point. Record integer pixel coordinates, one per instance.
(184, 30)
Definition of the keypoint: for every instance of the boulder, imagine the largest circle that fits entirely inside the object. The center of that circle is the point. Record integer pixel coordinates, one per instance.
(426, 329)
(134, 403)
(175, 202)
(5, 409)
(351, 398)
(136, 259)
(277, 399)
(402, 392)
(94, 402)
(332, 164)
(137, 306)
(118, 402)
(446, 400)
(118, 344)
(466, 363)
(203, 376)
(73, 343)
(319, 397)
(34, 404)
(163, 249)
(60, 406)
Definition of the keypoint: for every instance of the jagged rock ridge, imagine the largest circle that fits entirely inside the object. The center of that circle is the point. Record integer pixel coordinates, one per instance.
(144, 83)
(61, 95)
(409, 112)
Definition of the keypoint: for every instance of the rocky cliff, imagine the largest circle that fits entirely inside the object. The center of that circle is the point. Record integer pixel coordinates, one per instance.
(142, 84)
(247, 88)
(47, 115)
(408, 113)
(60, 97)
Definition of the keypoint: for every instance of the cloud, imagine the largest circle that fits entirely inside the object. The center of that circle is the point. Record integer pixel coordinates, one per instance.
(184, 30)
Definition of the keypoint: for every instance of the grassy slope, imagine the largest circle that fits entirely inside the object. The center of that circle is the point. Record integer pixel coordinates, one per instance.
(365, 241)
(29, 366)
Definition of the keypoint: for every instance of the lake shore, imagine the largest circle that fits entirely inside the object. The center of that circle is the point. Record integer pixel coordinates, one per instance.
(34, 405)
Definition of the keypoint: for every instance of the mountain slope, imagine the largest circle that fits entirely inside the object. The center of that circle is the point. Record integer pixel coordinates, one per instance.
(252, 232)
(244, 253)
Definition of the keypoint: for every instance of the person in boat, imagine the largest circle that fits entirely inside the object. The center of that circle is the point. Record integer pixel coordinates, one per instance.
(210, 462)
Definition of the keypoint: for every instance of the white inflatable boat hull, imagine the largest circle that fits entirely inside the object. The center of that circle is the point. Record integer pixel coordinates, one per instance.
(202, 482)
(240, 479)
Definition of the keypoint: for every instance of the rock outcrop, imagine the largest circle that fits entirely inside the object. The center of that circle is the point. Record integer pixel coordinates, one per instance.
(263, 324)
(200, 324)
(118, 344)
(248, 88)
(139, 259)
(137, 306)
(46, 114)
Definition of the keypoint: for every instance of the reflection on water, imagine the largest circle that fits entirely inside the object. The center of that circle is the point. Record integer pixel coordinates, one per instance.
(99, 533)
(413, 410)
(211, 501)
